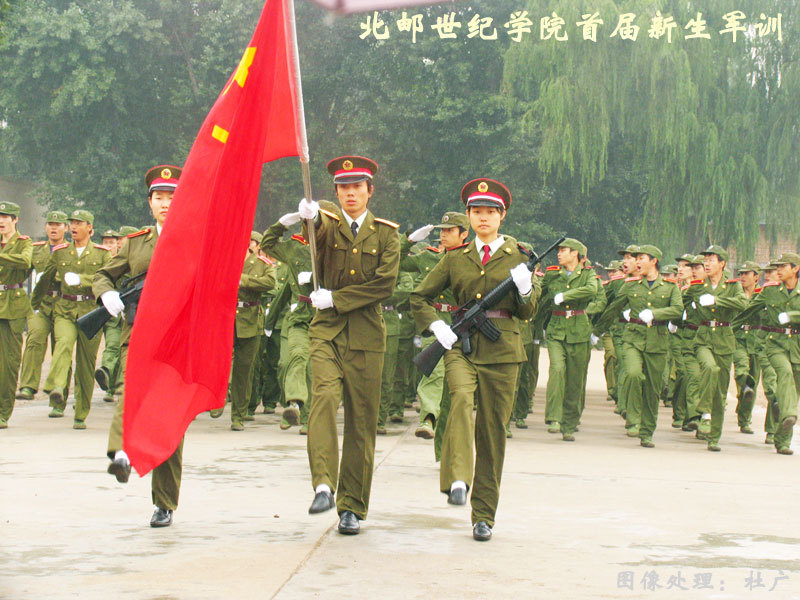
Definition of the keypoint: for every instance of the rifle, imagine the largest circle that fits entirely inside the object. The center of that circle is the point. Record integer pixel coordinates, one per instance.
(471, 317)
(92, 322)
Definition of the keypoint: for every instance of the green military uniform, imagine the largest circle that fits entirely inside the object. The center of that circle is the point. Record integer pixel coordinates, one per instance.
(746, 363)
(15, 265)
(258, 276)
(782, 346)
(392, 319)
(347, 343)
(72, 302)
(645, 346)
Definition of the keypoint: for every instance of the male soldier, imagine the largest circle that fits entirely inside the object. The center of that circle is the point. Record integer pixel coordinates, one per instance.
(779, 304)
(647, 303)
(124, 232)
(107, 375)
(110, 239)
(258, 276)
(569, 288)
(614, 273)
(617, 329)
(717, 302)
(684, 343)
(40, 323)
(74, 265)
(769, 379)
(529, 370)
(16, 255)
(746, 365)
(132, 260)
(358, 260)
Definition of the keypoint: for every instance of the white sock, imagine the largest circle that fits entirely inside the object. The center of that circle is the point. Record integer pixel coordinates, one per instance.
(458, 485)
(120, 455)
(322, 487)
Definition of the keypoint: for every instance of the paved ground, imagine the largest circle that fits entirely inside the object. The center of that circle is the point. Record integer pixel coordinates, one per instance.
(598, 518)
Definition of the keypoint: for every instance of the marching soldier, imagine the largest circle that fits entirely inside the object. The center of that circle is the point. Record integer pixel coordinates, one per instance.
(107, 374)
(74, 265)
(16, 255)
(769, 379)
(614, 272)
(746, 365)
(134, 259)
(358, 261)
(488, 374)
(40, 323)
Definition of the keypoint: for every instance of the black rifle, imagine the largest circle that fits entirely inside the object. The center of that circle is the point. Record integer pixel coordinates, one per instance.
(92, 322)
(471, 317)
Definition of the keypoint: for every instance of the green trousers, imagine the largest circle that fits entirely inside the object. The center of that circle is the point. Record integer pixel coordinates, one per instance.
(40, 327)
(10, 355)
(769, 383)
(644, 377)
(610, 365)
(566, 384)
(787, 390)
(353, 377)
(492, 386)
(387, 378)
(166, 479)
(746, 372)
(679, 399)
(429, 388)
(526, 384)
(69, 338)
(403, 376)
(245, 351)
(112, 332)
(267, 390)
(296, 365)
(715, 373)
(616, 338)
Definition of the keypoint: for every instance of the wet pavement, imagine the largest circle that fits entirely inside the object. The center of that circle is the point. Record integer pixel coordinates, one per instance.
(598, 518)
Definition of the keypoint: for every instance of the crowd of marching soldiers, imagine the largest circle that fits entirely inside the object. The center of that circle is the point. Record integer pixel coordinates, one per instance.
(670, 334)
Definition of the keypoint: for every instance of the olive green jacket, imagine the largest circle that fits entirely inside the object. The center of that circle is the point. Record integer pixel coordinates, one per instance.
(41, 256)
(276, 301)
(769, 302)
(361, 273)
(65, 259)
(294, 253)
(258, 276)
(422, 264)
(462, 272)
(15, 266)
(580, 290)
(730, 301)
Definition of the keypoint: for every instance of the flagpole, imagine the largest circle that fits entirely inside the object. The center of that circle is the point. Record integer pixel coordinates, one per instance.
(300, 134)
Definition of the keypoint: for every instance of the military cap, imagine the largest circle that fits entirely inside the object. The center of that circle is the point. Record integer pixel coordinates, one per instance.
(9, 208)
(788, 258)
(162, 178)
(686, 258)
(486, 192)
(698, 260)
(126, 230)
(630, 249)
(254, 235)
(614, 265)
(80, 214)
(109, 233)
(453, 219)
(573, 244)
(771, 265)
(749, 265)
(352, 169)
(650, 250)
(56, 216)
(718, 250)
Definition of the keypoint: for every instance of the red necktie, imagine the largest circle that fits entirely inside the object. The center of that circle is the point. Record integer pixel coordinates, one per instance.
(486, 255)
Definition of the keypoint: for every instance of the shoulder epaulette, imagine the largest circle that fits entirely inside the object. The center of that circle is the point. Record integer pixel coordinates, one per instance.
(333, 216)
(606, 282)
(138, 233)
(299, 238)
(39, 243)
(457, 247)
(757, 290)
(635, 278)
(22, 236)
(553, 268)
(617, 277)
(600, 278)
(101, 247)
(432, 249)
(387, 222)
(770, 283)
(731, 281)
(685, 287)
(265, 260)
(61, 246)
(589, 267)
(670, 279)
(539, 274)
(697, 282)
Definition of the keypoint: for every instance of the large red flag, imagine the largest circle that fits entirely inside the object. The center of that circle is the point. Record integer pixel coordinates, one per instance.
(180, 350)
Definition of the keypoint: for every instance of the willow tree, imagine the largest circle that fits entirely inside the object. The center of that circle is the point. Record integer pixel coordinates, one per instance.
(711, 125)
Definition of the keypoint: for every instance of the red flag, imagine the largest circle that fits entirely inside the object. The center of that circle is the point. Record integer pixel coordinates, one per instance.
(181, 345)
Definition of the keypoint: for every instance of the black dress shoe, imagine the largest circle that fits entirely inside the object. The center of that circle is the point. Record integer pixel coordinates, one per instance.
(481, 531)
(348, 523)
(322, 501)
(457, 496)
(121, 469)
(102, 377)
(162, 517)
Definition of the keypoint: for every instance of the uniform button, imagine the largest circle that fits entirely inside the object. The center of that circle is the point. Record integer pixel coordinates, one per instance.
(352, 271)
(355, 250)
(478, 296)
(427, 268)
(374, 250)
(649, 304)
(483, 272)
(441, 297)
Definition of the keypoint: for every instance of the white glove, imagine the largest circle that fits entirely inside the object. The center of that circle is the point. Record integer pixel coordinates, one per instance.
(694, 306)
(627, 314)
(522, 279)
(707, 300)
(417, 341)
(646, 315)
(594, 339)
(321, 299)
(783, 318)
(558, 298)
(672, 328)
(111, 301)
(303, 277)
(268, 332)
(684, 315)
(72, 279)
(289, 219)
(37, 277)
(308, 209)
(293, 307)
(420, 234)
(444, 335)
